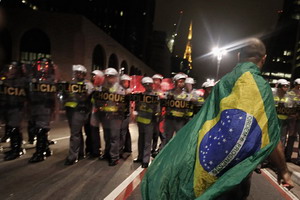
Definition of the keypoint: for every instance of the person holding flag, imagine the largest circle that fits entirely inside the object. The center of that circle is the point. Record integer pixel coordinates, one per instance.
(236, 129)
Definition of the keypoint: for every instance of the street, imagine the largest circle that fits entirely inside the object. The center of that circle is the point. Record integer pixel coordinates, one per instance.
(89, 178)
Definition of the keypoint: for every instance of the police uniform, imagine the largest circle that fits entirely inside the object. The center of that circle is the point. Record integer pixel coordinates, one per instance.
(294, 124)
(125, 137)
(147, 108)
(93, 139)
(42, 94)
(14, 92)
(281, 104)
(198, 101)
(156, 123)
(156, 131)
(110, 104)
(176, 110)
(112, 117)
(78, 106)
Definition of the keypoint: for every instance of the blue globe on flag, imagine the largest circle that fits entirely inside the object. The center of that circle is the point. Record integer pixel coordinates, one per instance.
(234, 137)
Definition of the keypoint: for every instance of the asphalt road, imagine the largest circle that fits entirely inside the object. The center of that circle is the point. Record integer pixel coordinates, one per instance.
(88, 179)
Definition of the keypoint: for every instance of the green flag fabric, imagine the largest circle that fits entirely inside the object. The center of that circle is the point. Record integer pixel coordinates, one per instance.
(236, 129)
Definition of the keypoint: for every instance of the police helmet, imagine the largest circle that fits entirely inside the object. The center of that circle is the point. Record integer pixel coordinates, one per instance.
(79, 68)
(190, 80)
(13, 69)
(125, 77)
(147, 80)
(98, 73)
(282, 82)
(179, 76)
(157, 76)
(297, 81)
(43, 67)
(111, 72)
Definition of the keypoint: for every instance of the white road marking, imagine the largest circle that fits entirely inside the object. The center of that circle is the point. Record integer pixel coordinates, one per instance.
(61, 138)
(133, 178)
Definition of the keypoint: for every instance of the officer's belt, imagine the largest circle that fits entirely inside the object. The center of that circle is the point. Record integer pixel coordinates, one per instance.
(144, 98)
(171, 103)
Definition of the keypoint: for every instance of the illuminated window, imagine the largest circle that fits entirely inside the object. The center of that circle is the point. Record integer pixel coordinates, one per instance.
(287, 53)
(278, 74)
(266, 73)
(121, 13)
(287, 76)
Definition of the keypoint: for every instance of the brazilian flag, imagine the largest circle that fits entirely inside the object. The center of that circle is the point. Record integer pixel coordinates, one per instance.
(236, 129)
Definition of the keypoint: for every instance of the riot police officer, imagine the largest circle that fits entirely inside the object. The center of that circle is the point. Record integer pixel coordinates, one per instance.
(193, 96)
(93, 139)
(110, 103)
(12, 88)
(78, 106)
(157, 80)
(147, 110)
(282, 103)
(125, 138)
(207, 86)
(294, 122)
(176, 115)
(42, 94)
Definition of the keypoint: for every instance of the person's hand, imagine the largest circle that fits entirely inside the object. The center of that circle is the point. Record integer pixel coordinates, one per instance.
(285, 179)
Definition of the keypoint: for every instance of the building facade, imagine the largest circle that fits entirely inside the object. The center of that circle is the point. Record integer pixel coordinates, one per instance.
(67, 39)
(283, 49)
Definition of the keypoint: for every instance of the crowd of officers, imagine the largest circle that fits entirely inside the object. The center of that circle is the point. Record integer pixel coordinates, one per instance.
(106, 101)
(287, 102)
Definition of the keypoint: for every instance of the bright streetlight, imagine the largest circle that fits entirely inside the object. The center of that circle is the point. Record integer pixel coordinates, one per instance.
(219, 53)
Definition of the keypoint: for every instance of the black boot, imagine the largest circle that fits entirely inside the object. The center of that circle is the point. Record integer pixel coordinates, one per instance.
(42, 146)
(289, 148)
(7, 134)
(16, 142)
(31, 130)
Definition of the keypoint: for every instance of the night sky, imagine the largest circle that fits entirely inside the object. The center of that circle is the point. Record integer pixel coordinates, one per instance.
(215, 22)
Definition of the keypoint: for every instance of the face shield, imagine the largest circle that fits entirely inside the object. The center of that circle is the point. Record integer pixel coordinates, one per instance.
(12, 70)
(79, 75)
(43, 69)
